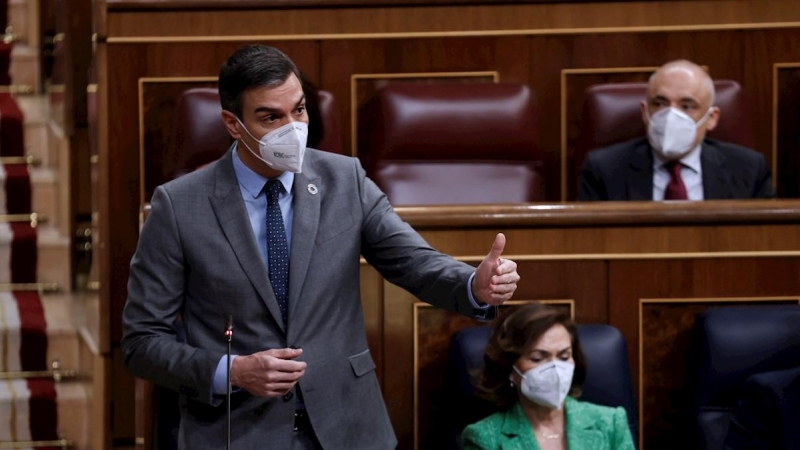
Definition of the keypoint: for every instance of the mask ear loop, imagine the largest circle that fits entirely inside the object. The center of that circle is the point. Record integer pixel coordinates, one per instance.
(250, 149)
(705, 117)
(247, 131)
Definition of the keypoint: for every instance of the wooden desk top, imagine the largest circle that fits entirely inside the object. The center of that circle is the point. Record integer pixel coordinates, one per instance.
(602, 214)
(175, 5)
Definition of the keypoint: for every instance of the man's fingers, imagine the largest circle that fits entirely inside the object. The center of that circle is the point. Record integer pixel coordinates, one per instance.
(507, 278)
(502, 288)
(499, 298)
(284, 353)
(505, 266)
(284, 365)
(497, 247)
(280, 388)
(276, 376)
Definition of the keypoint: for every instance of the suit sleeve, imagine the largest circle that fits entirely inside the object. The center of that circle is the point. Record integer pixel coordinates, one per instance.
(622, 439)
(402, 257)
(155, 297)
(590, 183)
(750, 426)
(763, 187)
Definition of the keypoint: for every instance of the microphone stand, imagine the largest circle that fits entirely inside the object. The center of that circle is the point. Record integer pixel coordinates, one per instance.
(229, 336)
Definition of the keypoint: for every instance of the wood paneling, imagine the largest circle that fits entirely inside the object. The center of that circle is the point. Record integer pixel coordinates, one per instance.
(650, 287)
(341, 60)
(557, 68)
(762, 50)
(543, 18)
(787, 131)
(93, 370)
(70, 59)
(180, 5)
(665, 381)
(652, 301)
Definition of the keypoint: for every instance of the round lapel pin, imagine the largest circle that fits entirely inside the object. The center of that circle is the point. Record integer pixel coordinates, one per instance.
(312, 189)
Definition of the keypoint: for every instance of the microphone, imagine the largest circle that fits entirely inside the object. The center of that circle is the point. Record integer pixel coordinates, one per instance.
(229, 336)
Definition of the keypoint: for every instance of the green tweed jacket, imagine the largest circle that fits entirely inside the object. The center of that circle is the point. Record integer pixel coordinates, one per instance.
(589, 427)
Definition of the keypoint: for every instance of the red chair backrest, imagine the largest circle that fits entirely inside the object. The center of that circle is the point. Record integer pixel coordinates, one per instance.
(454, 144)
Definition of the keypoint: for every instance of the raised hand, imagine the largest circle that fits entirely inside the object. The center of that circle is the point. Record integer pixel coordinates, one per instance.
(495, 278)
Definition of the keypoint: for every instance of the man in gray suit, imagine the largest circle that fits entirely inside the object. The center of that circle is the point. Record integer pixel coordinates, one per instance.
(271, 234)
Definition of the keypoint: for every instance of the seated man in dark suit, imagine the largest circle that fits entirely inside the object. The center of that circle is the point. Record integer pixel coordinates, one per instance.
(675, 161)
(768, 415)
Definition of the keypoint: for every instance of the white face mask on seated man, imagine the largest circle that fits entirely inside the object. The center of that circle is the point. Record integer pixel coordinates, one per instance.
(672, 132)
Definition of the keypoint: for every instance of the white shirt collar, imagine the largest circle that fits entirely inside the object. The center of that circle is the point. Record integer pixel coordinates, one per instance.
(691, 160)
(253, 182)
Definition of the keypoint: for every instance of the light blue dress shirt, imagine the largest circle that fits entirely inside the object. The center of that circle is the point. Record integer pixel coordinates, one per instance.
(251, 186)
(691, 174)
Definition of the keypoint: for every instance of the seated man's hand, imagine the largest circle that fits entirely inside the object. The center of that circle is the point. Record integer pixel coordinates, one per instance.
(270, 373)
(495, 278)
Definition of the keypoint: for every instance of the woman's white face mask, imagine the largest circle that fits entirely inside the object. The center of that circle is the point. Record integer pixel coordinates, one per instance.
(547, 384)
(671, 132)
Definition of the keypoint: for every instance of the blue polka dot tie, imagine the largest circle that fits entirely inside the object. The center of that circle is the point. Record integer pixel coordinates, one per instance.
(277, 249)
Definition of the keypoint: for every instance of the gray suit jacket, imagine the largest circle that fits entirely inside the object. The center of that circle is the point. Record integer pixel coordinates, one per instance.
(625, 172)
(197, 257)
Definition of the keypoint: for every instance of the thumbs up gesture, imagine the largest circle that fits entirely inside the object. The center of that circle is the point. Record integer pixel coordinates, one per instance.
(495, 278)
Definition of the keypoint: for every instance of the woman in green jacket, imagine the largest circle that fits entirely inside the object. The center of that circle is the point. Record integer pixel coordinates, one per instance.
(533, 361)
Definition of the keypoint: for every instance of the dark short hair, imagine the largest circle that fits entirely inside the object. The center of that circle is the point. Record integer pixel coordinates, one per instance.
(250, 67)
(513, 334)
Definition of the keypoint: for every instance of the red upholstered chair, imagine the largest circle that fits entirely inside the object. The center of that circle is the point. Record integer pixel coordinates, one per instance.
(454, 144)
(199, 137)
(611, 114)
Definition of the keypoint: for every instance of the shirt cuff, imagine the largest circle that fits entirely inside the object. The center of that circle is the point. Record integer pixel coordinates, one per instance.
(219, 386)
(472, 300)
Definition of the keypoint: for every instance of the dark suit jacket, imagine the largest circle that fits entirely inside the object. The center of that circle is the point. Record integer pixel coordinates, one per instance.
(625, 172)
(197, 256)
(768, 414)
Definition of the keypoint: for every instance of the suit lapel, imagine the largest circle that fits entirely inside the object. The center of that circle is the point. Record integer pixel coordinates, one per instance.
(308, 191)
(517, 431)
(716, 179)
(639, 177)
(232, 216)
(582, 431)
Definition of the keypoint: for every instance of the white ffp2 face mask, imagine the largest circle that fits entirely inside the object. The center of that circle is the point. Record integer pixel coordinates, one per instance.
(283, 148)
(671, 131)
(547, 384)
